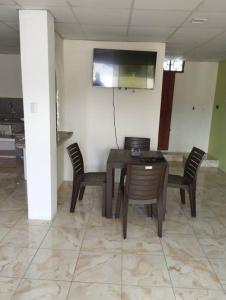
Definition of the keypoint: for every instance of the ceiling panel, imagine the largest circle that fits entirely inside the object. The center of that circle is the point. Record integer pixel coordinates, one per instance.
(219, 42)
(62, 14)
(7, 2)
(152, 32)
(105, 37)
(8, 13)
(68, 28)
(9, 50)
(104, 30)
(102, 3)
(139, 38)
(6, 30)
(193, 36)
(206, 55)
(102, 16)
(177, 48)
(42, 3)
(167, 4)
(13, 25)
(213, 6)
(151, 21)
(214, 20)
(157, 18)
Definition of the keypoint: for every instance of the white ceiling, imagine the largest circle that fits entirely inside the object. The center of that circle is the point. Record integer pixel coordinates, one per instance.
(129, 20)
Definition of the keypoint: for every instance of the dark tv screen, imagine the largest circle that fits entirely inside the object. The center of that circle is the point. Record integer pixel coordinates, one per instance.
(124, 68)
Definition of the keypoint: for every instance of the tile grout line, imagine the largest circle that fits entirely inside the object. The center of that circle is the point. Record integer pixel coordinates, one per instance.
(205, 255)
(22, 278)
(79, 253)
(207, 258)
(168, 269)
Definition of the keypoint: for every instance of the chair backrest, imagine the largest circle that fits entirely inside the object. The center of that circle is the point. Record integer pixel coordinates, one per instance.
(145, 182)
(193, 163)
(76, 158)
(137, 142)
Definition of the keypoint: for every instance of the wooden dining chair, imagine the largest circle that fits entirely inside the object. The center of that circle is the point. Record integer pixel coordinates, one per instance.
(188, 181)
(82, 179)
(134, 142)
(144, 185)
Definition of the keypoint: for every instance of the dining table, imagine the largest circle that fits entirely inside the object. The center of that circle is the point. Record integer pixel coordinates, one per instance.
(119, 159)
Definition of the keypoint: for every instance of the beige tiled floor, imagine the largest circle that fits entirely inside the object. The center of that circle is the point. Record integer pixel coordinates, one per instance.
(83, 256)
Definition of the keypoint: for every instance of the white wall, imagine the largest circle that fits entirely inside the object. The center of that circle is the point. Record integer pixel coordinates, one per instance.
(88, 111)
(60, 88)
(195, 87)
(37, 42)
(10, 76)
(59, 76)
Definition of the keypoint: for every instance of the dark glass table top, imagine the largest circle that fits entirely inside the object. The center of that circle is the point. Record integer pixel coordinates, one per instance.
(120, 157)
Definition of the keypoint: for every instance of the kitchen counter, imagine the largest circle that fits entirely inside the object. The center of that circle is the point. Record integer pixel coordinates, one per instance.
(62, 136)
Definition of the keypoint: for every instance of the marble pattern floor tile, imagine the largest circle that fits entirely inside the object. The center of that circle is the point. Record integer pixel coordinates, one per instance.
(53, 265)
(10, 218)
(199, 294)
(3, 231)
(27, 236)
(182, 246)
(73, 220)
(64, 238)
(94, 291)
(137, 229)
(145, 270)
(149, 245)
(219, 266)
(41, 290)
(83, 256)
(208, 228)
(102, 268)
(214, 247)
(176, 225)
(149, 293)
(101, 239)
(96, 220)
(14, 261)
(189, 272)
(7, 287)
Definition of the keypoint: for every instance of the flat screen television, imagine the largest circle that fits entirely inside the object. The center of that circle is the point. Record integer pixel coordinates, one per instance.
(124, 68)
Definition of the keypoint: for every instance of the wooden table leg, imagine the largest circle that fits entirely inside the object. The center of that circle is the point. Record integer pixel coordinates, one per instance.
(109, 191)
(165, 190)
(113, 182)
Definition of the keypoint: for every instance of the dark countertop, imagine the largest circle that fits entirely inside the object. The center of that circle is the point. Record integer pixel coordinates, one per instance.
(7, 136)
(62, 136)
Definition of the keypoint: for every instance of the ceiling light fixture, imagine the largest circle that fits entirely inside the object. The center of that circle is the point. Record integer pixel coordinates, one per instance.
(199, 20)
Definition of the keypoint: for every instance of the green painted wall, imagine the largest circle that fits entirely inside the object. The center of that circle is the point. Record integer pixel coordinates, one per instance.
(217, 143)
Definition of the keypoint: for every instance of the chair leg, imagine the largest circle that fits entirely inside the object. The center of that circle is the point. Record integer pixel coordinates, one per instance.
(160, 220)
(149, 209)
(122, 177)
(113, 183)
(124, 218)
(104, 201)
(118, 203)
(74, 195)
(182, 196)
(81, 192)
(192, 200)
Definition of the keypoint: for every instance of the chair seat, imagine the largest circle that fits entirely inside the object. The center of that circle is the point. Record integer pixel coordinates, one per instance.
(178, 181)
(94, 178)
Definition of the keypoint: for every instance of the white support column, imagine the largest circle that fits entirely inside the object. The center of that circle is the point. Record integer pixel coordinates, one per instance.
(37, 44)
